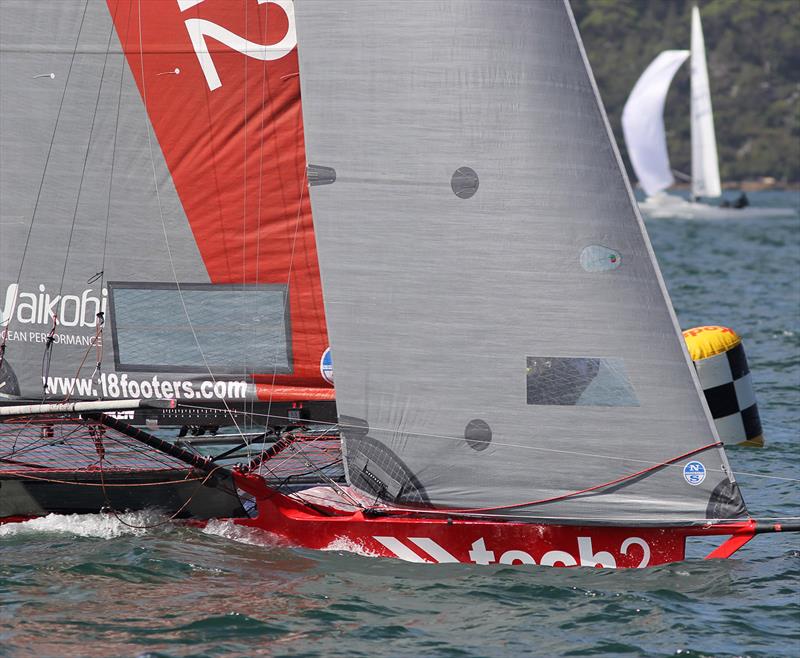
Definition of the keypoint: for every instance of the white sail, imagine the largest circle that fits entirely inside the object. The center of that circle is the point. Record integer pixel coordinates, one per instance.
(705, 165)
(643, 122)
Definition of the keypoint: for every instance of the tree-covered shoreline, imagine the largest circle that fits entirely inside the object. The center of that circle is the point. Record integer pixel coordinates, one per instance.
(754, 71)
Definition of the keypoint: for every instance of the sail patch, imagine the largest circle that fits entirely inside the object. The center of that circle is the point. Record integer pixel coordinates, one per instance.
(464, 182)
(478, 434)
(580, 381)
(597, 258)
(319, 175)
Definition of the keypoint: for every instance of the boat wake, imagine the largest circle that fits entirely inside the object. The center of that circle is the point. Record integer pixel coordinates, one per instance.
(345, 545)
(242, 534)
(100, 526)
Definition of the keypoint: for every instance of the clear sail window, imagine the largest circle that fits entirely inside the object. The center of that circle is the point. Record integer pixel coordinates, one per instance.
(581, 381)
(232, 328)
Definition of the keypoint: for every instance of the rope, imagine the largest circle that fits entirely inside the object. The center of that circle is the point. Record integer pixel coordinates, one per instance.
(150, 526)
(580, 492)
(85, 160)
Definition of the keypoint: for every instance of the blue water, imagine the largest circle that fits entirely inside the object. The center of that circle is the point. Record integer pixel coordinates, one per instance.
(94, 586)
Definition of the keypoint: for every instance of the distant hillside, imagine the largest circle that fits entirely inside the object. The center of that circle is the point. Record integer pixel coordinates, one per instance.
(753, 49)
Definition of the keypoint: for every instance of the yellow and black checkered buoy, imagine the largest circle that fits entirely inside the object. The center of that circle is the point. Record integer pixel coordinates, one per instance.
(724, 375)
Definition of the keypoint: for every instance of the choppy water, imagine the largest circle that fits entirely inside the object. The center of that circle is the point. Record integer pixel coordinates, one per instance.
(93, 586)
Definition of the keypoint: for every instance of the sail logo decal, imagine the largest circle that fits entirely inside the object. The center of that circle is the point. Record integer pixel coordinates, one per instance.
(40, 307)
(326, 366)
(694, 473)
(200, 29)
(426, 550)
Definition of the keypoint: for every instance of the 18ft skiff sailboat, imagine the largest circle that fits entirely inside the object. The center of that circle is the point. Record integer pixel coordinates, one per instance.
(643, 127)
(511, 383)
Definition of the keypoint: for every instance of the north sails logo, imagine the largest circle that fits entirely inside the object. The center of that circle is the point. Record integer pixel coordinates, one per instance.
(40, 307)
(427, 550)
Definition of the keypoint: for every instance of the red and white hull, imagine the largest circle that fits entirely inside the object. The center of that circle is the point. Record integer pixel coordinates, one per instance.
(424, 539)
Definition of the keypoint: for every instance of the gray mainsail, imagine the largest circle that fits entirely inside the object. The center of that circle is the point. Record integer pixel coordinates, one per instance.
(501, 333)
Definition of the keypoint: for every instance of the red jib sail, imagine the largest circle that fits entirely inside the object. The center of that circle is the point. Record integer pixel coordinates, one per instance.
(220, 84)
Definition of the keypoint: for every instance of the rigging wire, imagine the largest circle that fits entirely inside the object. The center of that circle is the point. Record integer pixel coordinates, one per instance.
(98, 322)
(102, 273)
(164, 224)
(49, 153)
(260, 183)
(4, 338)
(86, 159)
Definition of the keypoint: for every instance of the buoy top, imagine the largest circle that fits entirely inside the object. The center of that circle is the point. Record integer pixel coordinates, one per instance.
(705, 342)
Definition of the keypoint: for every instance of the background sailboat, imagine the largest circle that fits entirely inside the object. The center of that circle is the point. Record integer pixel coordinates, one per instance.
(645, 137)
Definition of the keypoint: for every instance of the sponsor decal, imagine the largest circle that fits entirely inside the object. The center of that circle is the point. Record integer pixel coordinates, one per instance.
(326, 366)
(113, 386)
(200, 29)
(426, 550)
(694, 473)
(26, 308)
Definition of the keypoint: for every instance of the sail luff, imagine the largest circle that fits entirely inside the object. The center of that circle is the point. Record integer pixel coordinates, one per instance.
(714, 434)
(643, 122)
(705, 163)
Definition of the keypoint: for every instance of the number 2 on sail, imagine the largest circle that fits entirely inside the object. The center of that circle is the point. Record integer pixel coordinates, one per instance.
(199, 29)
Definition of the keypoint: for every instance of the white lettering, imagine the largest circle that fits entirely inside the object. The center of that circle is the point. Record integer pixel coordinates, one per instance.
(63, 317)
(479, 554)
(591, 559)
(40, 308)
(183, 5)
(510, 557)
(637, 541)
(47, 306)
(10, 303)
(552, 558)
(87, 302)
(30, 317)
(200, 28)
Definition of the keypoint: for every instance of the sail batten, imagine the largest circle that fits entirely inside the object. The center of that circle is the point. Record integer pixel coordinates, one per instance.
(471, 175)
